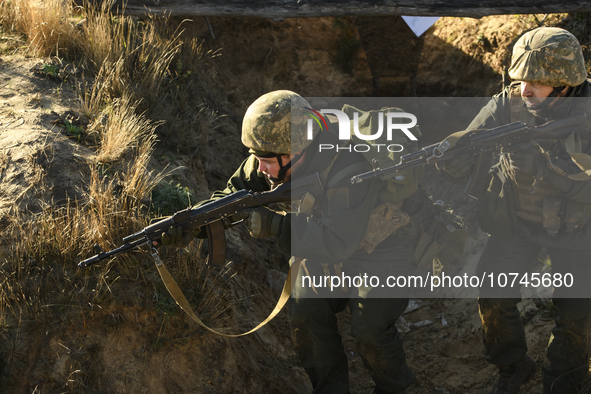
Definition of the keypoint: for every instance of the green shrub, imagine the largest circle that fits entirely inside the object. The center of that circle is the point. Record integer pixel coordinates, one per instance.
(168, 198)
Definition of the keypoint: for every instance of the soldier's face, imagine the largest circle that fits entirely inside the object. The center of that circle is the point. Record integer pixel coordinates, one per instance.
(534, 94)
(270, 166)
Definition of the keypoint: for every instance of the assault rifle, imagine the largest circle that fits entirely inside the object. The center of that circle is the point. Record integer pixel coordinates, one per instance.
(214, 216)
(480, 143)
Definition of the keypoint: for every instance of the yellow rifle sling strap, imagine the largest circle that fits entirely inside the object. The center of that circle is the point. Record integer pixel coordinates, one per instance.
(573, 146)
(180, 299)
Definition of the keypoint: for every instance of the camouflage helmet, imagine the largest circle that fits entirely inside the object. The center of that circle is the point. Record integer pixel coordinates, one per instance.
(548, 56)
(267, 124)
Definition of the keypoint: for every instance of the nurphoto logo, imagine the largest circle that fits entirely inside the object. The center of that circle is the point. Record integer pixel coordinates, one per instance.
(345, 129)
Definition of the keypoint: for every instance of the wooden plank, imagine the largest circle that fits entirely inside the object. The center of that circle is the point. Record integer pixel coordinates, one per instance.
(281, 9)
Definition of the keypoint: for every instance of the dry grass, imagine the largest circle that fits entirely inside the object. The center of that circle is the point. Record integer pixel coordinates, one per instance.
(42, 291)
(132, 65)
(94, 98)
(113, 206)
(206, 288)
(144, 64)
(191, 125)
(120, 129)
(43, 23)
(116, 205)
(139, 54)
(134, 73)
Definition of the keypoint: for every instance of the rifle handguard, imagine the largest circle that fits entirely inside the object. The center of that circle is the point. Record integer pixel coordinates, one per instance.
(475, 142)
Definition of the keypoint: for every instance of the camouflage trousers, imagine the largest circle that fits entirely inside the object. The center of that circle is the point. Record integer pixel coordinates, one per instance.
(503, 333)
(316, 336)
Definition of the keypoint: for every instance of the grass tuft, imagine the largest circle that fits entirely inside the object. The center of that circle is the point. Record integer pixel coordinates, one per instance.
(44, 24)
(138, 77)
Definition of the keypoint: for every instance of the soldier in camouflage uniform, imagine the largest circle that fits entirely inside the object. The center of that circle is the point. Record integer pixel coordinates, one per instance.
(329, 238)
(538, 196)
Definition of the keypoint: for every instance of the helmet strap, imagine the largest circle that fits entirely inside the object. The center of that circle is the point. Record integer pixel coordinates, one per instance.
(561, 91)
(558, 91)
(284, 168)
(550, 101)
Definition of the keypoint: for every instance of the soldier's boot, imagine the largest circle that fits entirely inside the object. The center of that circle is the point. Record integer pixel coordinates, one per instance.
(380, 391)
(513, 376)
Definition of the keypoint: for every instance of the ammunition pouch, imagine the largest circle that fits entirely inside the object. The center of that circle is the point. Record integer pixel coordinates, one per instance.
(551, 212)
(558, 211)
(576, 215)
(305, 205)
(497, 216)
(385, 219)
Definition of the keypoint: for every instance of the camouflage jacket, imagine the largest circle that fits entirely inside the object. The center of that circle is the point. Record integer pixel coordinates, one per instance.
(508, 107)
(335, 230)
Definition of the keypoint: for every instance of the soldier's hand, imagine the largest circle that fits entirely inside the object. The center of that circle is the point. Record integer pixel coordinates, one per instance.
(260, 222)
(526, 158)
(174, 236)
(459, 166)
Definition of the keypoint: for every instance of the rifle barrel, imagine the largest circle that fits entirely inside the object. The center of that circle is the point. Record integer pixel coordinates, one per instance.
(102, 256)
(211, 212)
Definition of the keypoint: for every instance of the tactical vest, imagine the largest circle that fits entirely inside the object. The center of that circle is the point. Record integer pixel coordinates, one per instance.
(398, 202)
(402, 206)
(542, 204)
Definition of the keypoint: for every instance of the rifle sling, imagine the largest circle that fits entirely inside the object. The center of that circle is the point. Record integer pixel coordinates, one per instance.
(181, 300)
(572, 145)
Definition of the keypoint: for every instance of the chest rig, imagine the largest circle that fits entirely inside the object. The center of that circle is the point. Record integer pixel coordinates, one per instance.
(542, 203)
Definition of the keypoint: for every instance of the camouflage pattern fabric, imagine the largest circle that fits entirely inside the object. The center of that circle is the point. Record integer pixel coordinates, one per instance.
(385, 219)
(330, 238)
(522, 221)
(267, 124)
(508, 107)
(548, 56)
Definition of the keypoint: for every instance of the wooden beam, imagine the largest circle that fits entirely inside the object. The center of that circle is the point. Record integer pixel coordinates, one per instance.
(281, 9)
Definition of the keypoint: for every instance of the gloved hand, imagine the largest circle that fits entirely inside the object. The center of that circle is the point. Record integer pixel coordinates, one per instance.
(175, 237)
(527, 159)
(260, 222)
(457, 167)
